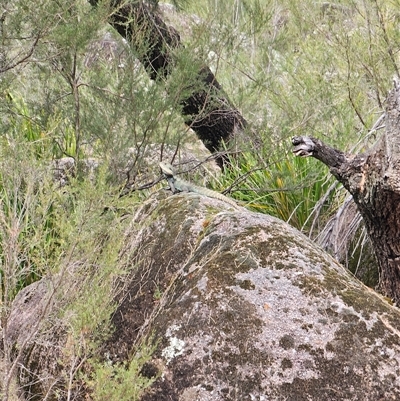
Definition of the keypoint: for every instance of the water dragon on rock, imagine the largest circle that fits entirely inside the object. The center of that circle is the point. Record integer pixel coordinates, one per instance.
(177, 184)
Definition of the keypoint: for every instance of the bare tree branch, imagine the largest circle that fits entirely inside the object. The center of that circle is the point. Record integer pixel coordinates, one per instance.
(23, 58)
(373, 179)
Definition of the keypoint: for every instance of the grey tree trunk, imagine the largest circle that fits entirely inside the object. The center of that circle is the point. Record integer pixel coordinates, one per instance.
(207, 109)
(373, 179)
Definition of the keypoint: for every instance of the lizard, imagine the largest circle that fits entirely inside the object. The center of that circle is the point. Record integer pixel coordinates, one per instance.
(177, 184)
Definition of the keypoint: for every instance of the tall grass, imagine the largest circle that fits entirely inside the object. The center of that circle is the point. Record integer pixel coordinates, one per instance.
(289, 189)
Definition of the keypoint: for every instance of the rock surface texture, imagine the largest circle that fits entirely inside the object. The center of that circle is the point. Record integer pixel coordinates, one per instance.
(250, 309)
(246, 308)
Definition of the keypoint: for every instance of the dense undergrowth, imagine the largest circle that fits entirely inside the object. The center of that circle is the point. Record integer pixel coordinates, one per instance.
(70, 87)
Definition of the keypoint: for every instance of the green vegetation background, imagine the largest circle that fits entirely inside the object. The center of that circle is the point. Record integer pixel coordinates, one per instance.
(75, 89)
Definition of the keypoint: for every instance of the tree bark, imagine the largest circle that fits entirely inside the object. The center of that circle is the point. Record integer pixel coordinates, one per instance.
(373, 179)
(207, 110)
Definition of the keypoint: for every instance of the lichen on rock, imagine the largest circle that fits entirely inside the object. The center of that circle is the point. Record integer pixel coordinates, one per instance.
(263, 313)
(244, 307)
